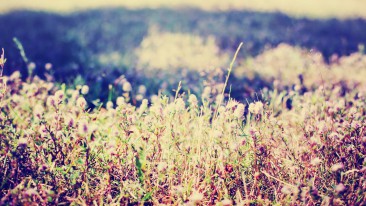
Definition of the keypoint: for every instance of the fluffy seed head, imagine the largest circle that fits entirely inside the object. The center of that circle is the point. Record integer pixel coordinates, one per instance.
(85, 89)
(256, 108)
(192, 100)
(127, 87)
(239, 111)
(120, 101)
(141, 89)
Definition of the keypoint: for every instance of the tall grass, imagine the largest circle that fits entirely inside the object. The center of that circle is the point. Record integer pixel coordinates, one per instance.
(291, 147)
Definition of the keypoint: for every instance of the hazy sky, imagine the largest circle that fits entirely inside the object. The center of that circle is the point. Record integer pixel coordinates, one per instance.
(312, 8)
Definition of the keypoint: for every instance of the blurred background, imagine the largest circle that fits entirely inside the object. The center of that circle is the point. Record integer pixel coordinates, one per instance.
(155, 44)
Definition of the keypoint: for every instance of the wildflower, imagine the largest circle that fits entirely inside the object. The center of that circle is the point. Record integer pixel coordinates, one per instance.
(353, 111)
(219, 99)
(31, 66)
(334, 135)
(109, 105)
(216, 134)
(297, 87)
(120, 101)
(59, 96)
(38, 111)
(127, 87)
(196, 197)
(31, 192)
(51, 101)
(15, 76)
(286, 190)
(226, 202)
(84, 89)
(139, 97)
(346, 124)
(340, 188)
(192, 100)
(143, 106)
(80, 102)
(155, 99)
(48, 66)
(231, 104)
(256, 108)
(83, 127)
(179, 104)
(178, 189)
(322, 126)
(42, 130)
(239, 111)
(59, 134)
(221, 109)
(276, 84)
(74, 95)
(206, 93)
(162, 166)
(22, 142)
(355, 124)
(69, 120)
(316, 161)
(2, 59)
(337, 167)
(141, 89)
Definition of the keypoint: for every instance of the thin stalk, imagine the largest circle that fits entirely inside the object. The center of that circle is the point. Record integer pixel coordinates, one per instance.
(227, 77)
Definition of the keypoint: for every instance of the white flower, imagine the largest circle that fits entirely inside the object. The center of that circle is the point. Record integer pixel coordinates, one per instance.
(120, 101)
(192, 99)
(59, 96)
(38, 111)
(127, 87)
(196, 196)
(219, 99)
(239, 111)
(316, 161)
(84, 89)
(142, 89)
(109, 105)
(81, 102)
(256, 108)
(48, 66)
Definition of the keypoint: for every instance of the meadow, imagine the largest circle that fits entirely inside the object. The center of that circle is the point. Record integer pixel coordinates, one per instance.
(300, 141)
(193, 106)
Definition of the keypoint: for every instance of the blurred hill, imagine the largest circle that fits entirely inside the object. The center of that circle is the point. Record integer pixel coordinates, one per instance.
(72, 42)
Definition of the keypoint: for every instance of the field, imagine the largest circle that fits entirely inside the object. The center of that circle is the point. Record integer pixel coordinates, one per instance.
(168, 107)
